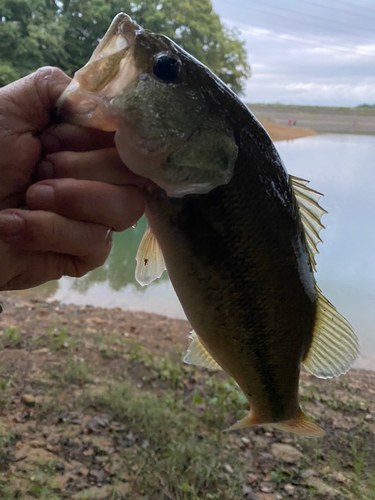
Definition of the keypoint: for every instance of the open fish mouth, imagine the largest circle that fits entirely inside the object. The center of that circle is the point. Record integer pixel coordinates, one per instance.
(111, 68)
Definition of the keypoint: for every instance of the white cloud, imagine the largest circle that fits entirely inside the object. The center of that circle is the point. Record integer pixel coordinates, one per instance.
(320, 67)
(310, 93)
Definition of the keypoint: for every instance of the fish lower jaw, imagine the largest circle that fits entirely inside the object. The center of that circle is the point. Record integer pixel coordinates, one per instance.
(83, 108)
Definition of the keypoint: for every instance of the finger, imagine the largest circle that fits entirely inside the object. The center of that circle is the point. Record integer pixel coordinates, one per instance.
(103, 165)
(67, 137)
(28, 269)
(39, 231)
(91, 201)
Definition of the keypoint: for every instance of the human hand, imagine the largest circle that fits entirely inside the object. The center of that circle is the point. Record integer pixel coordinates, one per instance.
(67, 230)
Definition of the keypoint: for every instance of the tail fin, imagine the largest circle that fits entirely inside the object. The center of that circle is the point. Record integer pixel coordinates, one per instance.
(301, 425)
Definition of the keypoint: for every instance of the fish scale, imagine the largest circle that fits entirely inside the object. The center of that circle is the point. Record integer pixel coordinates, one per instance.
(223, 232)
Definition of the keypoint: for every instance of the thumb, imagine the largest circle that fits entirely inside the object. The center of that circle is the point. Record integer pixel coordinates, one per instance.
(30, 100)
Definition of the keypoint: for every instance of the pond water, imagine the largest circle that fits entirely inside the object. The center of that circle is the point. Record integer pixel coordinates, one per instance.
(340, 166)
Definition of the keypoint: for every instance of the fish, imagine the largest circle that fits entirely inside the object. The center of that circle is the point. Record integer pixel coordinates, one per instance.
(237, 234)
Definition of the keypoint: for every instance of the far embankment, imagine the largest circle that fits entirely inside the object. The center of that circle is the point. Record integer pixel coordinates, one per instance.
(318, 119)
(283, 132)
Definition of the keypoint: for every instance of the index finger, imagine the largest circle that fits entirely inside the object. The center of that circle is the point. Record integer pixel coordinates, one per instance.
(68, 137)
(103, 165)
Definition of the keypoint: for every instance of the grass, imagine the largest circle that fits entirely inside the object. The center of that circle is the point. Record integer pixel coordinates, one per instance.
(75, 372)
(165, 420)
(172, 441)
(10, 338)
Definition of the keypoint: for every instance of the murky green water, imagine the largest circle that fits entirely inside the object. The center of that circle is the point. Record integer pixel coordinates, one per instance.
(340, 166)
(114, 285)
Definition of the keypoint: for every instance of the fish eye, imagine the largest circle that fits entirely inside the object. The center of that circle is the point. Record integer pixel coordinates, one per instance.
(167, 69)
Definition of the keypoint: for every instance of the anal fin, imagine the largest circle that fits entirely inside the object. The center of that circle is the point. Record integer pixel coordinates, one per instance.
(150, 260)
(198, 355)
(334, 346)
(249, 421)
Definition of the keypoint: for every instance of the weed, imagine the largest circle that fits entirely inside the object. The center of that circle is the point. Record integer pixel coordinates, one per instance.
(6, 439)
(10, 338)
(135, 350)
(358, 458)
(57, 337)
(6, 383)
(75, 372)
(171, 372)
(107, 351)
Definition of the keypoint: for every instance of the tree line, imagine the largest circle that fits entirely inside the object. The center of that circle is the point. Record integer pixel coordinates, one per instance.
(64, 33)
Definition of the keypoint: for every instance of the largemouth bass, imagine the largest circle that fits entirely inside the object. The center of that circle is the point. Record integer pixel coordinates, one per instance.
(236, 233)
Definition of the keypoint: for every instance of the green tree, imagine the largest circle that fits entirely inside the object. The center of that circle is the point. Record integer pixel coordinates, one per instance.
(31, 35)
(64, 33)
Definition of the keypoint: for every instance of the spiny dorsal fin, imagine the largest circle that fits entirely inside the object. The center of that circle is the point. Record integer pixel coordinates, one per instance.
(334, 346)
(150, 260)
(198, 355)
(311, 213)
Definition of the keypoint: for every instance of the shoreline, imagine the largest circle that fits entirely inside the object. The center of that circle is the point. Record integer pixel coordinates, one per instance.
(284, 132)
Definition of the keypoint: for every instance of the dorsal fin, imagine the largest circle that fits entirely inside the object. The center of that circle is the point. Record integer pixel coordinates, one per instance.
(198, 355)
(311, 213)
(150, 260)
(334, 346)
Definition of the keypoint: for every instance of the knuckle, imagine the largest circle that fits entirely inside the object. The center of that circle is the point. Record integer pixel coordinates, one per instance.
(44, 230)
(45, 72)
(45, 76)
(63, 162)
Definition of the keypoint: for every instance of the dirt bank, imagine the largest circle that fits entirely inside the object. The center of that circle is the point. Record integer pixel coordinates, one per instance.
(96, 403)
(284, 133)
(323, 120)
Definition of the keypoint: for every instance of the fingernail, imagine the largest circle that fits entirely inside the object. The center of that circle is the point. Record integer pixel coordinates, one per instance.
(41, 196)
(109, 236)
(11, 225)
(44, 170)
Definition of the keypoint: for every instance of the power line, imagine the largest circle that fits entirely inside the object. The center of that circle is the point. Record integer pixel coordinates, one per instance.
(285, 9)
(337, 9)
(307, 40)
(352, 5)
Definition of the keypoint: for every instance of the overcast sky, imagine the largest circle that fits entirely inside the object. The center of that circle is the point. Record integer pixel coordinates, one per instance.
(318, 52)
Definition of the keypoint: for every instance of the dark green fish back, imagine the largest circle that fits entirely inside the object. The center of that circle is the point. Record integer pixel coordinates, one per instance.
(253, 266)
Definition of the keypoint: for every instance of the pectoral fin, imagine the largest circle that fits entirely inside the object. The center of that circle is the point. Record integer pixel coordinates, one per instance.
(198, 355)
(150, 260)
(334, 346)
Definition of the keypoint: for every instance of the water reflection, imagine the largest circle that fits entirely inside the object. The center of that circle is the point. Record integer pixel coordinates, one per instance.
(118, 271)
(341, 167)
(114, 285)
